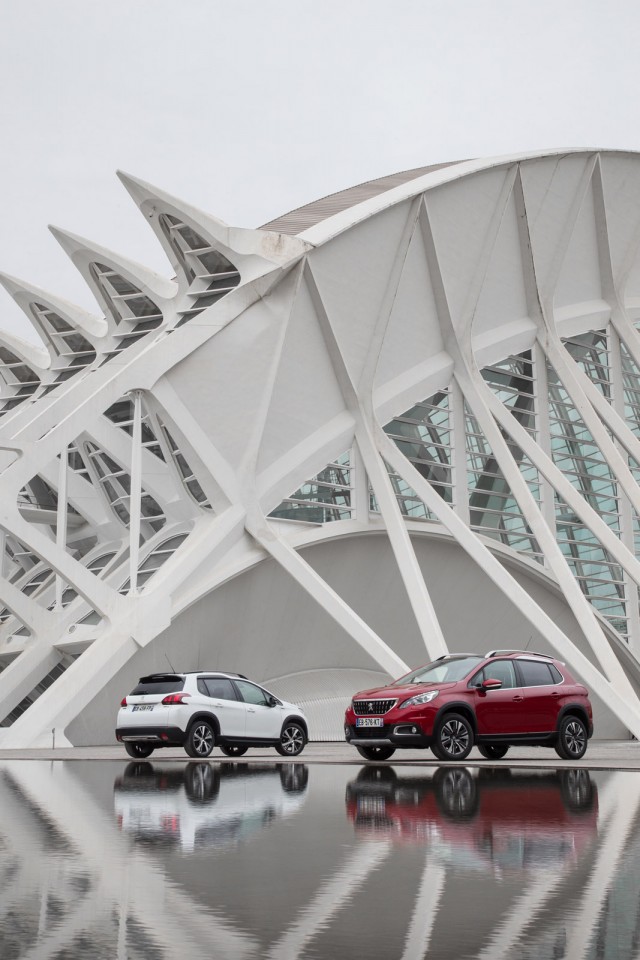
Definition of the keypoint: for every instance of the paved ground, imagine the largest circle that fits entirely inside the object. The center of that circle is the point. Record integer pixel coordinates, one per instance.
(601, 755)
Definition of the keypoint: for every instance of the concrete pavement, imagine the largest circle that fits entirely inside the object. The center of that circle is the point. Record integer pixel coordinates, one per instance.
(600, 755)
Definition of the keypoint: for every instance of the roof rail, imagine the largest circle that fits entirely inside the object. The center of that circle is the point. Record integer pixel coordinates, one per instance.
(532, 653)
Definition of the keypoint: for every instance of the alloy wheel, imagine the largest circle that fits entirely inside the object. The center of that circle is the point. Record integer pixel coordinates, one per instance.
(292, 740)
(454, 737)
(202, 740)
(574, 738)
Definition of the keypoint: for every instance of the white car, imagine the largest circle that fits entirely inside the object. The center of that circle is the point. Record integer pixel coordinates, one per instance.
(203, 805)
(205, 709)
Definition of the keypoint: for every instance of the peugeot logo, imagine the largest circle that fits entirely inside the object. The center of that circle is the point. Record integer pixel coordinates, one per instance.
(370, 707)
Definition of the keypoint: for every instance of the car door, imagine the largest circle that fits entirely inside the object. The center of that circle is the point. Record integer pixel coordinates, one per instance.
(221, 698)
(264, 722)
(501, 711)
(541, 695)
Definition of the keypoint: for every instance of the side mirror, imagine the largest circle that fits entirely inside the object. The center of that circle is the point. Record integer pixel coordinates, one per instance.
(273, 702)
(491, 684)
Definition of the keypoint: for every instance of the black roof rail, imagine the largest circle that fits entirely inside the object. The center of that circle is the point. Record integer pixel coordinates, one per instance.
(532, 653)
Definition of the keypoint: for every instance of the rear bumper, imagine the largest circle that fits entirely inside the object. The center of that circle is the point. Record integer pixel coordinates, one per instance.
(167, 736)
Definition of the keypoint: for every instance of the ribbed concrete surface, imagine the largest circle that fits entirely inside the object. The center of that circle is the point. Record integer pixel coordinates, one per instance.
(602, 755)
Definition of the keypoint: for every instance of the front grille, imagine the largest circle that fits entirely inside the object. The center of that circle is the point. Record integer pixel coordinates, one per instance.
(372, 708)
(372, 733)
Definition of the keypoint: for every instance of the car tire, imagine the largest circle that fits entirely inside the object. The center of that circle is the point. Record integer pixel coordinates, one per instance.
(201, 782)
(492, 751)
(453, 738)
(292, 740)
(456, 792)
(577, 790)
(200, 740)
(376, 753)
(572, 738)
(138, 750)
(293, 777)
(233, 750)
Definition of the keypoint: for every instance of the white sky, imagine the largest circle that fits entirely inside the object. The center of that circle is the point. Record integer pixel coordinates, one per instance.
(248, 108)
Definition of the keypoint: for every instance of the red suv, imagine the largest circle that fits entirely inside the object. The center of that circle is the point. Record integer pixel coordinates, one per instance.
(507, 697)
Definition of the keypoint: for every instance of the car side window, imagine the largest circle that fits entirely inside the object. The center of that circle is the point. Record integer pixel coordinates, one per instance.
(498, 670)
(535, 673)
(252, 694)
(217, 687)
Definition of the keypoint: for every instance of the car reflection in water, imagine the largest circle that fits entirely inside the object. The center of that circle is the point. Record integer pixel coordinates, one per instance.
(515, 821)
(205, 805)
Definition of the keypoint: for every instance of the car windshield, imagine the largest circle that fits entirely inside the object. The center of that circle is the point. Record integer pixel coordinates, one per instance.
(441, 671)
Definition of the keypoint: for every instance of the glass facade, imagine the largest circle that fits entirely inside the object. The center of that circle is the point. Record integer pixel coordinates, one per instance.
(324, 498)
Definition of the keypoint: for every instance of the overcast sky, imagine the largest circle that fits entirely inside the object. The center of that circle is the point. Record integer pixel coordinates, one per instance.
(249, 108)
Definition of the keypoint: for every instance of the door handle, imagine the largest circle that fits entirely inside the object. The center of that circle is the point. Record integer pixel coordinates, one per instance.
(250, 710)
(518, 698)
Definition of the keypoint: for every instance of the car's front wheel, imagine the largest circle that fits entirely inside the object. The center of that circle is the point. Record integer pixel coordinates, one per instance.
(376, 753)
(453, 738)
(572, 739)
(233, 750)
(138, 750)
(492, 751)
(200, 739)
(292, 740)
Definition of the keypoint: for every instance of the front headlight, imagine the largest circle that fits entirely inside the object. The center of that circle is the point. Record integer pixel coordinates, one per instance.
(420, 699)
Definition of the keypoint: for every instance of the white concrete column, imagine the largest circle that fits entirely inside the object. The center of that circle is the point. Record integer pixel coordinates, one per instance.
(136, 493)
(61, 519)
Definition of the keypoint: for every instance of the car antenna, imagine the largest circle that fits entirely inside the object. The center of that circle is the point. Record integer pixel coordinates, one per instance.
(169, 662)
(528, 642)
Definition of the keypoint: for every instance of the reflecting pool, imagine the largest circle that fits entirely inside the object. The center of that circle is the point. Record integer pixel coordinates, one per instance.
(126, 861)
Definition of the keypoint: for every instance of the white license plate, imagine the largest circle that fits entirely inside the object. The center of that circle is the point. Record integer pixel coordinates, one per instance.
(142, 706)
(369, 722)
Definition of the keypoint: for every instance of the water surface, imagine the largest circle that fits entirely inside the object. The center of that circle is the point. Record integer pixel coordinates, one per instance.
(126, 861)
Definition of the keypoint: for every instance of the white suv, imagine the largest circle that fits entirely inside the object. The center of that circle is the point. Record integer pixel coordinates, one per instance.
(201, 710)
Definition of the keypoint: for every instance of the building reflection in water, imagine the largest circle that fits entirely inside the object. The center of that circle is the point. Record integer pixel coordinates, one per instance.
(239, 860)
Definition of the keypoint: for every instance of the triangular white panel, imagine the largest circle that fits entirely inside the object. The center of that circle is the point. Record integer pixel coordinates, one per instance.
(461, 216)
(229, 374)
(352, 273)
(621, 187)
(550, 186)
(579, 278)
(503, 297)
(306, 394)
(413, 332)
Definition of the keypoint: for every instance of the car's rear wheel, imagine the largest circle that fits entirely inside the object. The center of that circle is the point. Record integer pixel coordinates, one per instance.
(138, 750)
(200, 740)
(572, 738)
(376, 753)
(292, 740)
(492, 751)
(233, 750)
(453, 738)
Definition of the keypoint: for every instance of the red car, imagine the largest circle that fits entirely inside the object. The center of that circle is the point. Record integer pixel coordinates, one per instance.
(494, 702)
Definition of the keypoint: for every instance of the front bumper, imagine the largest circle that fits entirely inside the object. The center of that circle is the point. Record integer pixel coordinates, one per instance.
(400, 734)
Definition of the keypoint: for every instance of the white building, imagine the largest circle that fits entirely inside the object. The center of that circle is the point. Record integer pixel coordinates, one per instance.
(402, 420)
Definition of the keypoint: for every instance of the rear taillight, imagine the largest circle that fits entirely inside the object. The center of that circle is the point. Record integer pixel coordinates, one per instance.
(123, 702)
(174, 698)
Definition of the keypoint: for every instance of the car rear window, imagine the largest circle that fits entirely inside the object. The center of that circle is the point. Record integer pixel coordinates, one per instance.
(535, 673)
(150, 685)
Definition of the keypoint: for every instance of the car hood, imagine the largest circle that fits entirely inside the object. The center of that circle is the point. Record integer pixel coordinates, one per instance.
(391, 693)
